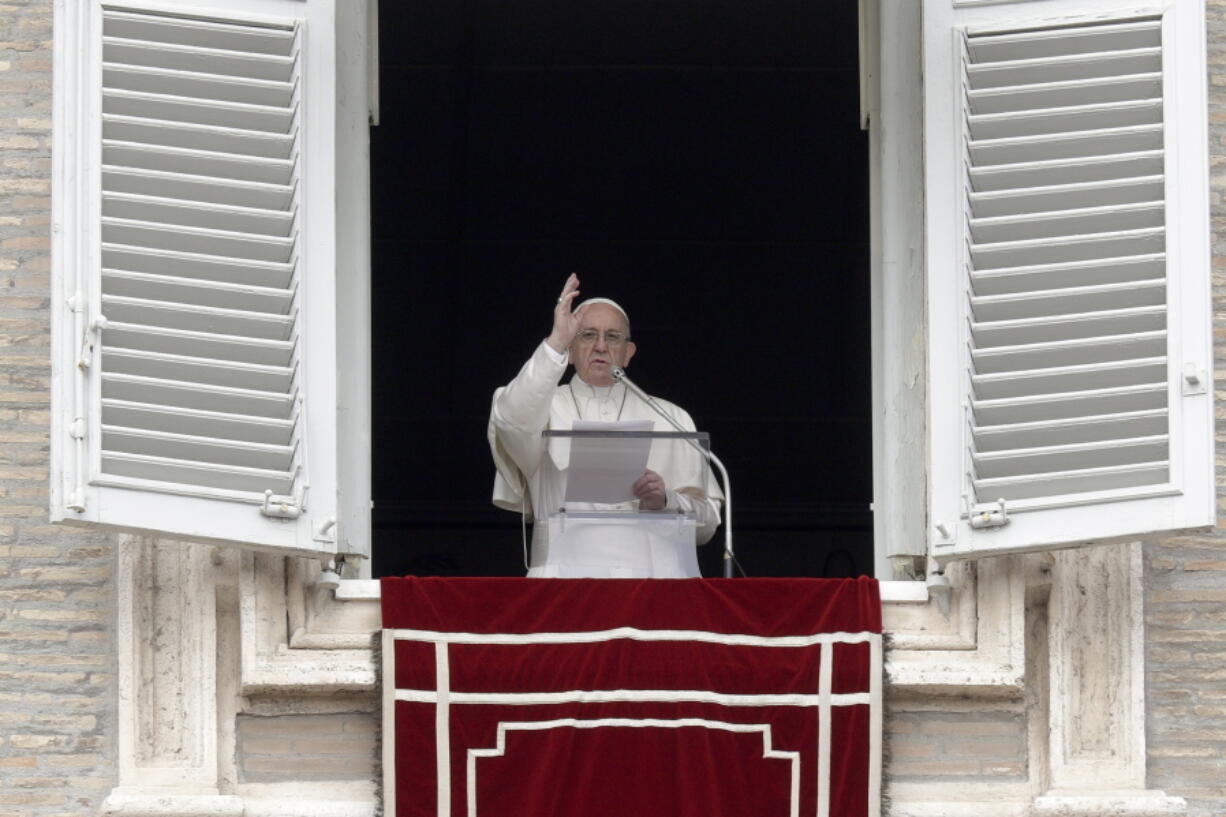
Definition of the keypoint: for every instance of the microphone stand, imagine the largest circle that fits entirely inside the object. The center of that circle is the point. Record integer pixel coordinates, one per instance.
(619, 374)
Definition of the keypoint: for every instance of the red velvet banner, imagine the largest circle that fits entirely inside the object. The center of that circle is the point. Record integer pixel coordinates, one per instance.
(652, 698)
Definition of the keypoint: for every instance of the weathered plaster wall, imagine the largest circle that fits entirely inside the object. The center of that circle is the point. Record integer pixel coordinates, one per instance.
(57, 676)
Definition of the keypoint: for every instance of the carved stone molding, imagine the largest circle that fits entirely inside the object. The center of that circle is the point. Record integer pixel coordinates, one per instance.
(167, 679)
(167, 642)
(1081, 681)
(978, 649)
(142, 803)
(281, 652)
(1096, 688)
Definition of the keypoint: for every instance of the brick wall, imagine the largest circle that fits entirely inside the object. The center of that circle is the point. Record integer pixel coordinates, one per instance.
(1186, 653)
(1185, 602)
(952, 741)
(57, 694)
(306, 747)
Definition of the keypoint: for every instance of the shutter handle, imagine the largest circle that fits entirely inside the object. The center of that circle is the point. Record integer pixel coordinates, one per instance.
(93, 335)
(280, 507)
(1193, 379)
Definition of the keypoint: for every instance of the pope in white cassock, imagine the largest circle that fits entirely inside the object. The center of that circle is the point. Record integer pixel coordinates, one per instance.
(531, 471)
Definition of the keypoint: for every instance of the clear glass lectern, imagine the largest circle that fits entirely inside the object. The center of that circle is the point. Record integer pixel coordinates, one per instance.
(600, 529)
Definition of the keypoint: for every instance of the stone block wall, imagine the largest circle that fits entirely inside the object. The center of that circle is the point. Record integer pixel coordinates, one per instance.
(57, 689)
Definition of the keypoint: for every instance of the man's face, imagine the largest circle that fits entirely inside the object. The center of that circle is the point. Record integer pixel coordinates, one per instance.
(595, 357)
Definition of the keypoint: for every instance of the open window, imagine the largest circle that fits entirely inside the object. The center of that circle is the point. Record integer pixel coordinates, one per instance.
(704, 165)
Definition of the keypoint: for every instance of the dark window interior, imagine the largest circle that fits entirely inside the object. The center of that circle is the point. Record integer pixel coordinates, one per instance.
(699, 162)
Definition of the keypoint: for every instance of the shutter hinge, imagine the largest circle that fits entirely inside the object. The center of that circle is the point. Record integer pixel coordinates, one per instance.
(92, 336)
(76, 429)
(991, 519)
(280, 507)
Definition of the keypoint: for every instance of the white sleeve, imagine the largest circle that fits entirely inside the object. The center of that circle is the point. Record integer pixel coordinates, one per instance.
(520, 409)
(691, 497)
(705, 509)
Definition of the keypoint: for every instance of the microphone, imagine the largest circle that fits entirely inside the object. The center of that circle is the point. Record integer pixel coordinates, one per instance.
(619, 374)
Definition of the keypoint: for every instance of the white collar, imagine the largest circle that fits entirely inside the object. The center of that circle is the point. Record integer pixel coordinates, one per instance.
(587, 391)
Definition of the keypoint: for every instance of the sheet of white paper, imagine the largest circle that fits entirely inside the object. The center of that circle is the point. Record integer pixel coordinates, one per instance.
(604, 469)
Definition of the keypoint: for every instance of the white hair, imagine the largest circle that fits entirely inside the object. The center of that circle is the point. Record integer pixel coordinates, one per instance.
(611, 303)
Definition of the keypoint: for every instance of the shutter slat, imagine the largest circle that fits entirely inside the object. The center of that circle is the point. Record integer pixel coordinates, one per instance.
(197, 239)
(1064, 68)
(197, 292)
(1099, 428)
(162, 470)
(1069, 352)
(1047, 96)
(194, 318)
(1063, 458)
(1048, 198)
(216, 424)
(176, 57)
(201, 266)
(1069, 327)
(222, 165)
(1066, 171)
(172, 341)
(1053, 276)
(1064, 42)
(272, 39)
(246, 141)
(117, 439)
(1063, 120)
(137, 389)
(1071, 300)
(1051, 407)
(203, 371)
(157, 108)
(1067, 223)
(1050, 147)
(190, 187)
(196, 84)
(1068, 250)
(1069, 379)
(1090, 480)
(132, 207)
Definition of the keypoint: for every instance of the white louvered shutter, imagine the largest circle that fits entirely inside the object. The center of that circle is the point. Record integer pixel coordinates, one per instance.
(194, 365)
(1068, 274)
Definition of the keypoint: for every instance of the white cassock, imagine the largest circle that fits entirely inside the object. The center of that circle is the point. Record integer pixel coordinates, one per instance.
(534, 402)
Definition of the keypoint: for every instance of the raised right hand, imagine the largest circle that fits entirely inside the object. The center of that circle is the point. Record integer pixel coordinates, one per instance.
(565, 323)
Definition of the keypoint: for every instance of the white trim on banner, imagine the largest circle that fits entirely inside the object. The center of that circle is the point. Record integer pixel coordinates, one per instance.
(764, 729)
(636, 634)
(602, 696)
(443, 698)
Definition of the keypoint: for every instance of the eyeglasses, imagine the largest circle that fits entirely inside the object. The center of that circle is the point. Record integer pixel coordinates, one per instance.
(611, 338)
